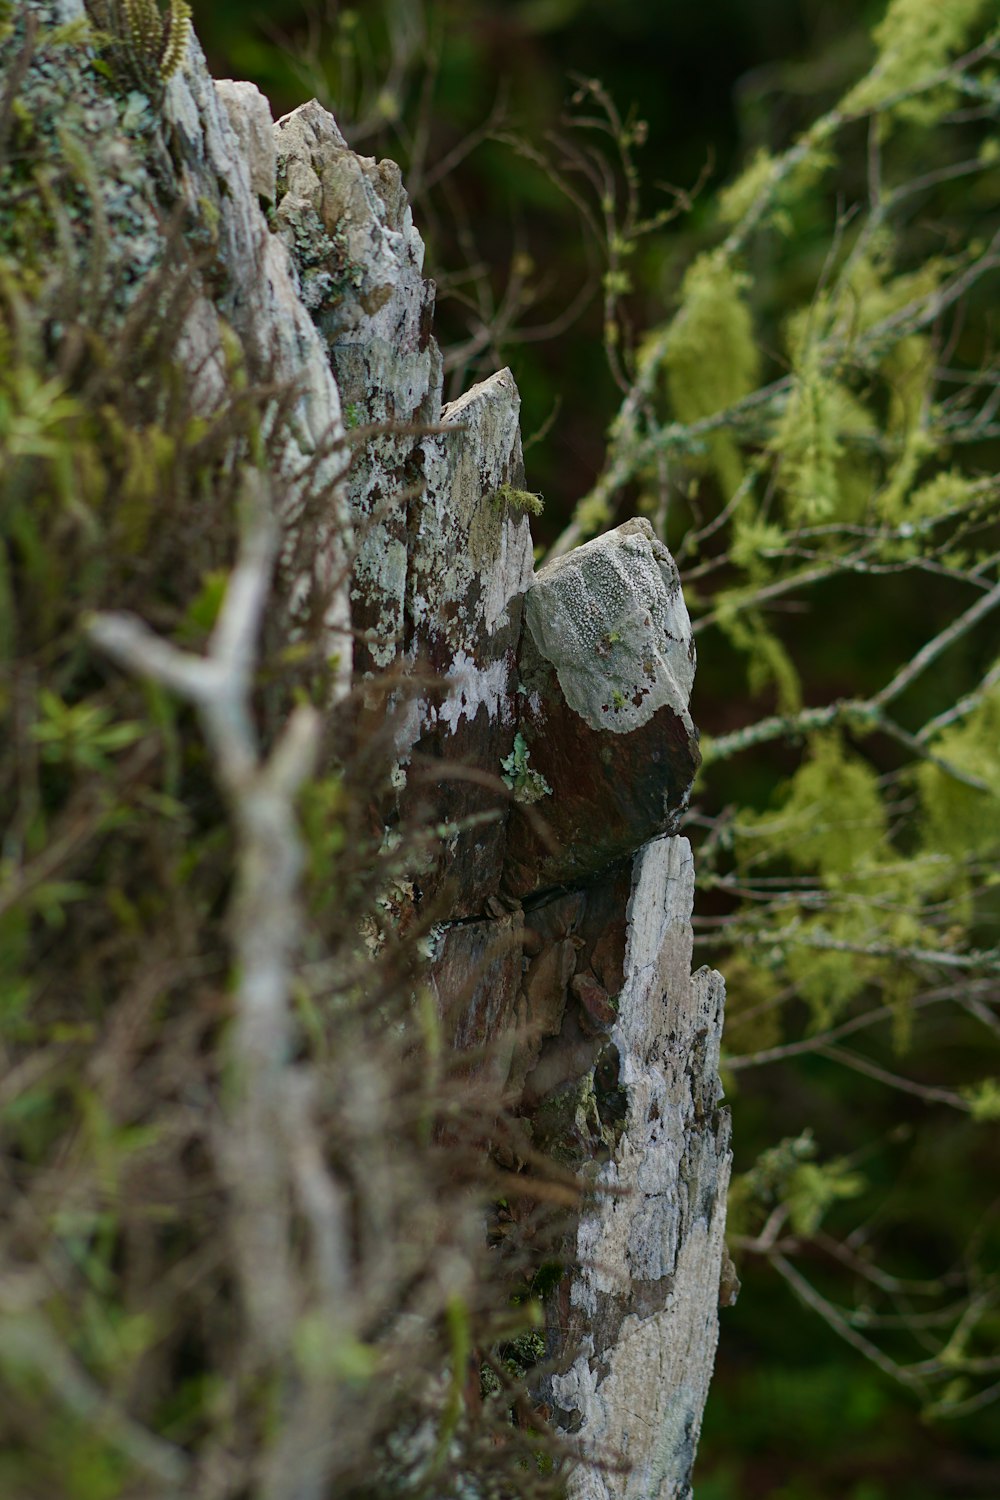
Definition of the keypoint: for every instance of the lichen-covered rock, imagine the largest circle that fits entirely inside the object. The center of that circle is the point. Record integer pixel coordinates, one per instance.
(442, 561)
(606, 671)
(347, 226)
(541, 721)
(610, 618)
(637, 1318)
(179, 160)
(470, 563)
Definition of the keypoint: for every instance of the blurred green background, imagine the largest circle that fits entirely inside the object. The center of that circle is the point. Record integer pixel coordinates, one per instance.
(795, 1414)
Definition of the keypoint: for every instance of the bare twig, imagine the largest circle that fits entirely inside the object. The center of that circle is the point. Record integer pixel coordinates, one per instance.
(929, 1093)
(265, 914)
(840, 1324)
(940, 643)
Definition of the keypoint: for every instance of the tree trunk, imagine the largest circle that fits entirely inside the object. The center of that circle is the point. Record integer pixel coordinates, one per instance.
(540, 718)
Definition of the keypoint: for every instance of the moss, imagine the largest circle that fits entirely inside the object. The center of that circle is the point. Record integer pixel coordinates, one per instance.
(755, 180)
(519, 500)
(70, 195)
(915, 40)
(710, 356)
(811, 442)
(117, 852)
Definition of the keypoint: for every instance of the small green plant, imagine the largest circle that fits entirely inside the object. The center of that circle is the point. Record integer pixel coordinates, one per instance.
(83, 735)
(527, 784)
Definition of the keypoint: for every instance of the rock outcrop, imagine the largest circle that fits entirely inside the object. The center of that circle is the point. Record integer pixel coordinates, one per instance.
(539, 720)
(562, 891)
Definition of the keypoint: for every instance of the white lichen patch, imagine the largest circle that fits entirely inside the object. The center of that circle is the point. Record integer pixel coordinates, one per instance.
(469, 561)
(380, 578)
(471, 687)
(611, 619)
(649, 1246)
(499, 545)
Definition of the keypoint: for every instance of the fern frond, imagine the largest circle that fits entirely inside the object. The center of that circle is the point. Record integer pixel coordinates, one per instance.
(176, 35)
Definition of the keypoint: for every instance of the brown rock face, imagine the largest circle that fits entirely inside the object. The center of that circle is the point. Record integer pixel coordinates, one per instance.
(606, 669)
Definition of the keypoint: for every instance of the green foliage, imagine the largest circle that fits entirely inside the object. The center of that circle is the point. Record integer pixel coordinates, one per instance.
(832, 817)
(961, 820)
(983, 1099)
(711, 356)
(789, 1177)
(842, 540)
(738, 198)
(145, 42)
(810, 443)
(83, 736)
(767, 659)
(814, 431)
(121, 486)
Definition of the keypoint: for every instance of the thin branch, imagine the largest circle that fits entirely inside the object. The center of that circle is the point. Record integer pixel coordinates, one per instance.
(892, 1285)
(966, 1406)
(929, 1093)
(858, 712)
(265, 914)
(848, 1028)
(836, 1320)
(985, 958)
(940, 643)
(960, 709)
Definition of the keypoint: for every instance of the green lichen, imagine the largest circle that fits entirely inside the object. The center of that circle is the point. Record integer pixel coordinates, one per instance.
(710, 357)
(915, 41)
(740, 196)
(521, 500)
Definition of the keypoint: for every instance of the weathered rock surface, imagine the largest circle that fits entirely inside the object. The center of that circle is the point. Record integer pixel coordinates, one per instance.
(442, 562)
(545, 718)
(634, 1324)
